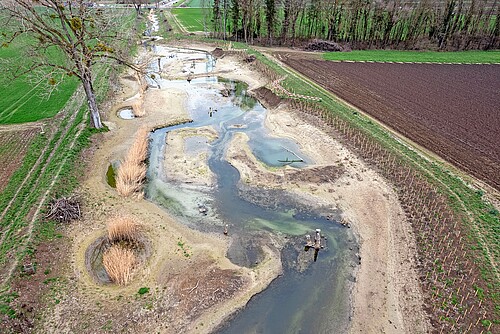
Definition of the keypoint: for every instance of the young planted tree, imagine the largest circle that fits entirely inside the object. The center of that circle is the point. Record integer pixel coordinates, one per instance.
(82, 34)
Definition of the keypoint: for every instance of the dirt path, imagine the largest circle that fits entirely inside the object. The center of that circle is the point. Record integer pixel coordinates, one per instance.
(455, 120)
(362, 94)
(21, 127)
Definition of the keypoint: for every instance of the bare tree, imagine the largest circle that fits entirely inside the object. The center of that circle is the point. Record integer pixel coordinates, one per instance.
(271, 19)
(137, 4)
(296, 7)
(84, 35)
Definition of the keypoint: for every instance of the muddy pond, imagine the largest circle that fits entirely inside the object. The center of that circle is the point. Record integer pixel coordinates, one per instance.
(310, 297)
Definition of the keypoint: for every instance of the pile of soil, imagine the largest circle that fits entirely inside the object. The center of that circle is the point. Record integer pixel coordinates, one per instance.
(319, 45)
(267, 97)
(217, 52)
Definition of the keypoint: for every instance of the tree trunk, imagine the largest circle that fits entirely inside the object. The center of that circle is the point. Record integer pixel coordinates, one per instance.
(95, 117)
(137, 9)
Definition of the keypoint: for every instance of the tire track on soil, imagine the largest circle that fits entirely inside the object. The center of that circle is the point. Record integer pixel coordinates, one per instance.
(29, 232)
(78, 99)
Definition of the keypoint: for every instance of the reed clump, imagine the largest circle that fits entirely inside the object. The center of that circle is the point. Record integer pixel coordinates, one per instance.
(132, 170)
(119, 263)
(138, 108)
(123, 228)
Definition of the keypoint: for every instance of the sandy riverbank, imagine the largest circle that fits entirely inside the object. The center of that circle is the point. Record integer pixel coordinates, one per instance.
(386, 295)
(193, 286)
(189, 167)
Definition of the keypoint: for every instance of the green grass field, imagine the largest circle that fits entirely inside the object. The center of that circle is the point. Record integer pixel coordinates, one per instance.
(194, 3)
(192, 18)
(21, 101)
(416, 56)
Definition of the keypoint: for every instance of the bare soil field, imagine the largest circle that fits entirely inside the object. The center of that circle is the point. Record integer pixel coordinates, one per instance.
(451, 110)
(14, 143)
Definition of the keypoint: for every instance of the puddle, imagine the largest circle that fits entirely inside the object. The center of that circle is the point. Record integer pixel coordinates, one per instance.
(93, 260)
(126, 113)
(111, 176)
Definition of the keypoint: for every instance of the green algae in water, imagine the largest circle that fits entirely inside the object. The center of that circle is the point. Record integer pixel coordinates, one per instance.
(166, 201)
(111, 176)
(243, 100)
(287, 226)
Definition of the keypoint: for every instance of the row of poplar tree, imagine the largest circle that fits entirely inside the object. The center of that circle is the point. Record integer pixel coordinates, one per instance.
(411, 24)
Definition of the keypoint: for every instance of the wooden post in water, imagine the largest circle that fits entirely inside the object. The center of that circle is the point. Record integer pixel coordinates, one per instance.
(309, 243)
(317, 239)
(317, 243)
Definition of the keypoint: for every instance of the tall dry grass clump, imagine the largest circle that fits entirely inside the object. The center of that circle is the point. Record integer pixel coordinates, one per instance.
(138, 152)
(123, 228)
(130, 179)
(138, 108)
(132, 171)
(119, 262)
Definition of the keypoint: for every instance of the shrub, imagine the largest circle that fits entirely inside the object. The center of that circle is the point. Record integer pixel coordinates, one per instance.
(138, 153)
(130, 178)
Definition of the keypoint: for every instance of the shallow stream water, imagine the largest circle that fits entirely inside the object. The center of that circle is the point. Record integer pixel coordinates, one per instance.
(314, 300)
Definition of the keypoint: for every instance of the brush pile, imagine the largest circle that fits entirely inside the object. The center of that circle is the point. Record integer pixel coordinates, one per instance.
(63, 210)
(319, 45)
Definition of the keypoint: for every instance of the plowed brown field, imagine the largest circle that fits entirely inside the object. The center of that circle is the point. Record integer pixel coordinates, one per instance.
(451, 110)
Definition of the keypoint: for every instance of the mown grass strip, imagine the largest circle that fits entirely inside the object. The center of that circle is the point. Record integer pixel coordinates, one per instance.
(462, 57)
